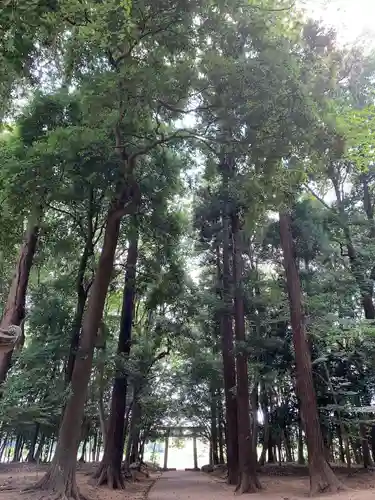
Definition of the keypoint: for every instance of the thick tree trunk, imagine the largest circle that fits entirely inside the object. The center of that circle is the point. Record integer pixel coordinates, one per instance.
(14, 311)
(61, 476)
(228, 359)
(109, 471)
(322, 478)
(248, 481)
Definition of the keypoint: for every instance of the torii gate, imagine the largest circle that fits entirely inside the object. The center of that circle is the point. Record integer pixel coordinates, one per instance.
(180, 432)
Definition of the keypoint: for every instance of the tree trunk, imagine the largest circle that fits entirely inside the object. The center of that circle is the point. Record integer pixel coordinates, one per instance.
(109, 471)
(61, 476)
(195, 452)
(30, 456)
(367, 462)
(38, 453)
(358, 271)
(214, 434)
(3, 446)
(94, 446)
(14, 312)
(221, 428)
(81, 290)
(17, 448)
(322, 478)
(271, 448)
(248, 481)
(301, 457)
(166, 446)
(228, 359)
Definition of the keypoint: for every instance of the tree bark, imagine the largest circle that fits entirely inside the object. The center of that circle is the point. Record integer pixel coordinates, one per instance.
(30, 456)
(322, 478)
(365, 284)
(14, 312)
(248, 481)
(301, 457)
(195, 452)
(81, 289)
(109, 471)
(214, 433)
(61, 476)
(367, 461)
(220, 429)
(228, 358)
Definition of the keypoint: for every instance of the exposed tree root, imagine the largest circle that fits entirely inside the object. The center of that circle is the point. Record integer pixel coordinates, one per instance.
(106, 474)
(248, 483)
(54, 486)
(324, 480)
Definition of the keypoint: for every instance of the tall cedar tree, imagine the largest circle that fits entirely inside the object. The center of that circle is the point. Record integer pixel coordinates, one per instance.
(322, 478)
(109, 471)
(248, 481)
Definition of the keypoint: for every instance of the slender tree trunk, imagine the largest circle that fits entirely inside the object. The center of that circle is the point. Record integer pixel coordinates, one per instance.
(248, 481)
(195, 452)
(61, 476)
(14, 312)
(38, 453)
(322, 478)
(81, 290)
(109, 471)
(221, 429)
(358, 271)
(301, 457)
(94, 446)
(98, 447)
(17, 448)
(373, 442)
(166, 446)
(214, 433)
(228, 359)
(30, 456)
(367, 462)
(3, 446)
(271, 448)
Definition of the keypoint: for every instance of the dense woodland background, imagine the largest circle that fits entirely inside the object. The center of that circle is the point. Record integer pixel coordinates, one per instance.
(187, 234)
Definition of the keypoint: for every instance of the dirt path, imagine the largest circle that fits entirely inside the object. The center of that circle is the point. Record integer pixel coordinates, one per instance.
(181, 485)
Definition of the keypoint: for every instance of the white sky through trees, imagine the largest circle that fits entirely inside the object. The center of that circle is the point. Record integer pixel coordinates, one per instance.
(353, 20)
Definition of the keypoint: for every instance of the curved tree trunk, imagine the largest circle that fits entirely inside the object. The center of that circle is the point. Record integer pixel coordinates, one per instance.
(248, 481)
(14, 311)
(109, 471)
(81, 290)
(61, 476)
(322, 478)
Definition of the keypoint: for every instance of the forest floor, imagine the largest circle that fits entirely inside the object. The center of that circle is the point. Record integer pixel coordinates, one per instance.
(287, 484)
(16, 477)
(279, 483)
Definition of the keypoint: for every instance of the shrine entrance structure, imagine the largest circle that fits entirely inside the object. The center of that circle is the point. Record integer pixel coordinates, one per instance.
(180, 432)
